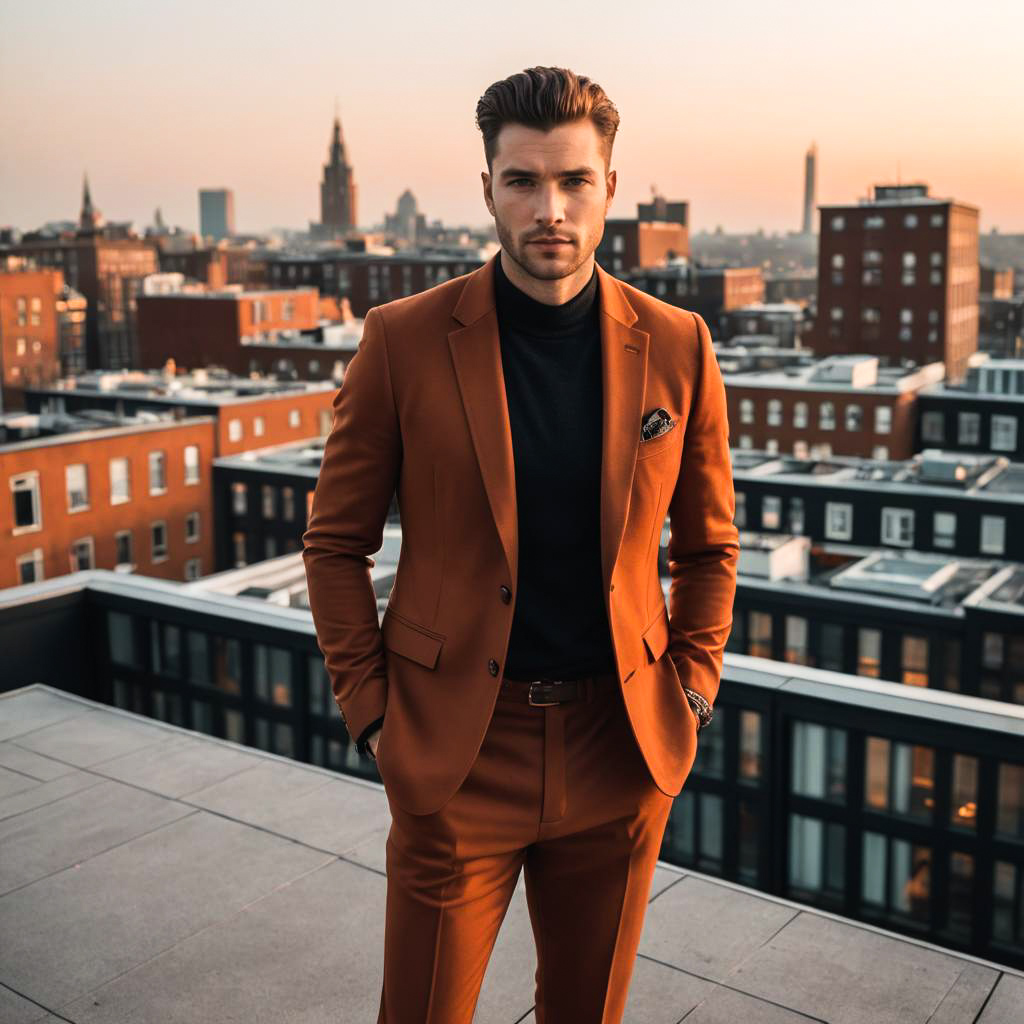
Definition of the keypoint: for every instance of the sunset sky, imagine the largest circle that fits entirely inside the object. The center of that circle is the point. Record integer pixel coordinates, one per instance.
(718, 103)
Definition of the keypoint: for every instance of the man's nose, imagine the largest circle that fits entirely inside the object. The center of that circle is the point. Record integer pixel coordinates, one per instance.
(550, 208)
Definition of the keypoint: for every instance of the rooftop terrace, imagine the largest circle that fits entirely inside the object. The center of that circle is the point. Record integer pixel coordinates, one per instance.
(151, 873)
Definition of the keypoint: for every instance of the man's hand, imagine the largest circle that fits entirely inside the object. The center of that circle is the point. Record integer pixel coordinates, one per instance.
(371, 741)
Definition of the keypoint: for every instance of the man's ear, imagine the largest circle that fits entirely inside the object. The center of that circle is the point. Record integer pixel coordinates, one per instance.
(488, 198)
(610, 183)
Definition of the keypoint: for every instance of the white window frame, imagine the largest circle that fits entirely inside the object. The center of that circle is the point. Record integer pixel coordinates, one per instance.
(131, 546)
(883, 419)
(933, 426)
(771, 512)
(259, 426)
(115, 498)
(968, 427)
(35, 558)
(800, 414)
(90, 544)
(192, 518)
(193, 568)
(897, 529)
(295, 418)
(838, 520)
(191, 465)
(70, 488)
(27, 482)
(154, 557)
(235, 430)
(158, 459)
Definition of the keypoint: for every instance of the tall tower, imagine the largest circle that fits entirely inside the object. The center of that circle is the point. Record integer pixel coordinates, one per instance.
(337, 190)
(90, 219)
(810, 188)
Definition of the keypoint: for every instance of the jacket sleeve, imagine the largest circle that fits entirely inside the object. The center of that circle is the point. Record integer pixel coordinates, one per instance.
(703, 540)
(358, 476)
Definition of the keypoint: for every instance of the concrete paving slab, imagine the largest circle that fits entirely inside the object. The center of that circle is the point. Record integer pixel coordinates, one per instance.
(178, 765)
(836, 971)
(28, 762)
(72, 931)
(309, 953)
(706, 929)
(47, 792)
(1006, 1005)
(63, 832)
(22, 712)
(965, 999)
(92, 737)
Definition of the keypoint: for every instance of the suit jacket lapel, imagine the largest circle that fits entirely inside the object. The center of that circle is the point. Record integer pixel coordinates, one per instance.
(476, 356)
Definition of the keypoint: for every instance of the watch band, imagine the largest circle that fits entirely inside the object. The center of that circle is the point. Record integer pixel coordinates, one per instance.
(701, 708)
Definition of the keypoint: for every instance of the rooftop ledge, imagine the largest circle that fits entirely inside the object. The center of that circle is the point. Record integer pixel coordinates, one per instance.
(152, 873)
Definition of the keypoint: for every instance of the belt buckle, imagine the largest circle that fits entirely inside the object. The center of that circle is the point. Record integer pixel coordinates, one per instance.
(541, 703)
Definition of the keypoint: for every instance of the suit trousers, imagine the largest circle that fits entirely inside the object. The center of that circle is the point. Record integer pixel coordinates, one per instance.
(562, 793)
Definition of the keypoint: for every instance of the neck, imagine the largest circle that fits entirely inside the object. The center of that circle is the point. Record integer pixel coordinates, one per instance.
(551, 293)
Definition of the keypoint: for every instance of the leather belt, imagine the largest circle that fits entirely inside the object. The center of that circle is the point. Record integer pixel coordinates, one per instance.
(544, 692)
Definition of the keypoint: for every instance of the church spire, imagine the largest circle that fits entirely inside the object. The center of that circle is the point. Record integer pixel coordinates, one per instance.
(90, 218)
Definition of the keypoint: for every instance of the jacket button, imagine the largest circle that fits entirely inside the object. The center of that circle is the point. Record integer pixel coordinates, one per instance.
(506, 594)
(493, 666)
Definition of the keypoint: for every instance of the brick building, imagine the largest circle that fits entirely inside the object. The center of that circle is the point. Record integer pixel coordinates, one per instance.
(134, 495)
(898, 278)
(30, 331)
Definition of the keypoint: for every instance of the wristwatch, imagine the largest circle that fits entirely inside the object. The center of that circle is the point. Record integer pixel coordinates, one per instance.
(701, 708)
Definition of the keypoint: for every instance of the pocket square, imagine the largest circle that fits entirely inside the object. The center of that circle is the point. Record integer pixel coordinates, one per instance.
(655, 423)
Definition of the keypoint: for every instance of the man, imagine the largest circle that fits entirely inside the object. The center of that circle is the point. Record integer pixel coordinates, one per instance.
(531, 703)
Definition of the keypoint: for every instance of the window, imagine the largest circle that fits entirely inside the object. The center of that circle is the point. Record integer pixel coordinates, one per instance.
(771, 512)
(746, 410)
(288, 504)
(830, 646)
(933, 427)
(800, 414)
(869, 652)
(158, 541)
(740, 517)
(238, 546)
(968, 427)
(871, 275)
(193, 569)
(1004, 433)
(774, 413)
(81, 554)
(234, 430)
(838, 520)
(880, 452)
(915, 659)
(800, 449)
(123, 542)
(269, 504)
(191, 464)
(288, 309)
(936, 259)
(259, 426)
(191, 527)
(874, 221)
(760, 634)
(837, 261)
(796, 515)
(871, 257)
(883, 419)
(818, 765)
(796, 641)
(294, 418)
(898, 526)
(826, 416)
(899, 778)
(937, 220)
(157, 472)
(993, 535)
(944, 530)
(854, 417)
(273, 675)
(120, 481)
(76, 478)
(838, 223)
(910, 220)
(30, 566)
(837, 313)
(25, 497)
(239, 499)
(871, 315)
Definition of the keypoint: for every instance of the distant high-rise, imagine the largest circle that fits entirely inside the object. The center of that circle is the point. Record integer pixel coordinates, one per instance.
(216, 213)
(810, 188)
(337, 190)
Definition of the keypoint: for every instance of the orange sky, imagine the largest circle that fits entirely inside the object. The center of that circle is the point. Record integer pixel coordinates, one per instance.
(717, 106)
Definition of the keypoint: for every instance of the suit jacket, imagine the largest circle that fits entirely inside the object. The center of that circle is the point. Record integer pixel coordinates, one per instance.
(422, 410)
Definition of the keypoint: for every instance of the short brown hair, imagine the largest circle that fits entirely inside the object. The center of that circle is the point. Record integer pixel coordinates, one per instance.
(543, 98)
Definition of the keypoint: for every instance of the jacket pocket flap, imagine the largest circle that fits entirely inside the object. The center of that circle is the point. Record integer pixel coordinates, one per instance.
(409, 640)
(656, 635)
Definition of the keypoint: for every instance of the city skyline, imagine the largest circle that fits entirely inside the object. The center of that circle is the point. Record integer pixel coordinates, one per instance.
(715, 117)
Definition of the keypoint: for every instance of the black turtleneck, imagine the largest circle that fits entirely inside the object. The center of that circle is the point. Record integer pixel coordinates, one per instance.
(551, 359)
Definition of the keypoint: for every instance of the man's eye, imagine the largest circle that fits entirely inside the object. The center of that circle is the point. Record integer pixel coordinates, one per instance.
(516, 181)
(581, 180)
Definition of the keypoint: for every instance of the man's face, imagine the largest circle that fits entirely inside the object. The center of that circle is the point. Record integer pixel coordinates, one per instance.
(549, 185)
